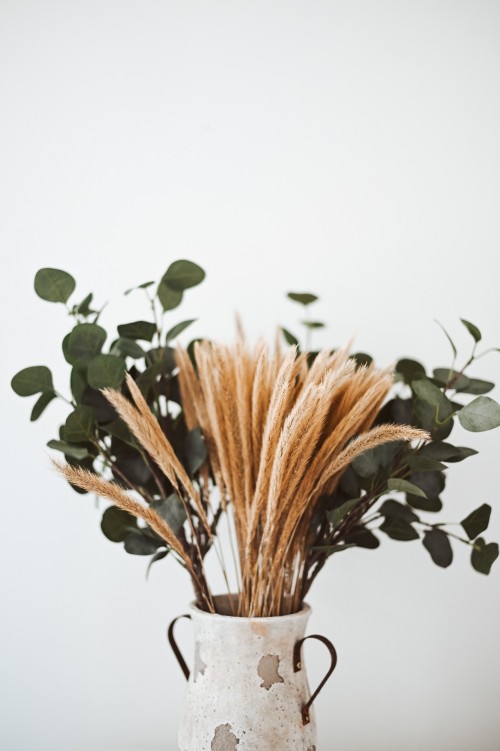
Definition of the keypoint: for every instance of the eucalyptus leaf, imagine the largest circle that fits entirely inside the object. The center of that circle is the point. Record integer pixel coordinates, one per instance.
(289, 337)
(54, 285)
(182, 275)
(451, 378)
(84, 308)
(143, 330)
(403, 486)
(472, 329)
(106, 371)
(41, 404)
(484, 555)
(138, 543)
(396, 510)
(116, 524)
(172, 510)
(398, 529)
(424, 463)
(431, 394)
(304, 298)
(410, 370)
(476, 387)
(169, 297)
(76, 452)
(79, 426)
(178, 329)
(84, 342)
(33, 380)
(313, 324)
(446, 452)
(483, 413)
(436, 542)
(127, 348)
(477, 521)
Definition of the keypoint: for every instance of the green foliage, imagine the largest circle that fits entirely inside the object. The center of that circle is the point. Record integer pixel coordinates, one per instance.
(144, 330)
(178, 329)
(403, 486)
(85, 342)
(477, 521)
(40, 405)
(484, 555)
(304, 298)
(54, 285)
(437, 543)
(106, 371)
(79, 427)
(34, 380)
(95, 438)
(117, 524)
(481, 414)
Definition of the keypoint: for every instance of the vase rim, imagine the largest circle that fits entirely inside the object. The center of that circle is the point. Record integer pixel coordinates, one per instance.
(303, 612)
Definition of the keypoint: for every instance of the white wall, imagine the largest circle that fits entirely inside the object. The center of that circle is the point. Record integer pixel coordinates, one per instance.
(346, 148)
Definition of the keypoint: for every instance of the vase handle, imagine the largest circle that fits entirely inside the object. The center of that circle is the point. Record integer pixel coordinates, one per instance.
(297, 665)
(175, 648)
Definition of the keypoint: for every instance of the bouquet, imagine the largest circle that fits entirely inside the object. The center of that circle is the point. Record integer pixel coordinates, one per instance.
(301, 454)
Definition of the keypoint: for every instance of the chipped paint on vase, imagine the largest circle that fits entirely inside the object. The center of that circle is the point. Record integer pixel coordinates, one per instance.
(243, 693)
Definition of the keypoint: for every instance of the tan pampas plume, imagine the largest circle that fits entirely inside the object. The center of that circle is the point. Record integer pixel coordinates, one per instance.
(280, 434)
(280, 430)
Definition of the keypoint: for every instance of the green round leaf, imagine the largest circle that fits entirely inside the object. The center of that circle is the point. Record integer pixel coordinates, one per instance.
(137, 543)
(396, 510)
(116, 524)
(182, 275)
(484, 555)
(481, 414)
(33, 380)
(144, 330)
(304, 298)
(54, 285)
(436, 542)
(399, 529)
(106, 371)
(477, 521)
(79, 426)
(410, 370)
(84, 342)
(169, 297)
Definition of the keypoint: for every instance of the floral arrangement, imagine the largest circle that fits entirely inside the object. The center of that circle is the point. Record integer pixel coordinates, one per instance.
(305, 454)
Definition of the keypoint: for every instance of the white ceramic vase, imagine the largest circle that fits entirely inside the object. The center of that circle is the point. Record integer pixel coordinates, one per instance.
(248, 689)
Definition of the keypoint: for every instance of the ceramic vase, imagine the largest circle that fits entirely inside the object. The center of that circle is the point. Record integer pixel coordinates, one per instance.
(248, 689)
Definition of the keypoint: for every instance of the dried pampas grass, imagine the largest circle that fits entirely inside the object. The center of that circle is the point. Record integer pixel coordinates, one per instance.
(279, 434)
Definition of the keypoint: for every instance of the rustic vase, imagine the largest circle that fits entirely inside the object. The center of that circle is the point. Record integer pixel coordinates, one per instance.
(248, 689)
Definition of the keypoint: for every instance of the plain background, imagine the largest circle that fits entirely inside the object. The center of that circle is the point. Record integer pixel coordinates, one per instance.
(345, 148)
